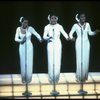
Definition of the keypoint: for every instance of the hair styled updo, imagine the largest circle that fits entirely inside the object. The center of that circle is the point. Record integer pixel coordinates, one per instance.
(22, 19)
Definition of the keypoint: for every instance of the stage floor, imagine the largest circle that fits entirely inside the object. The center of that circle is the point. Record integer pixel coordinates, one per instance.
(12, 87)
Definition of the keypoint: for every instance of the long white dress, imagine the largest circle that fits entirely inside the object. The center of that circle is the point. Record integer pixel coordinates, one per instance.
(54, 50)
(82, 47)
(26, 52)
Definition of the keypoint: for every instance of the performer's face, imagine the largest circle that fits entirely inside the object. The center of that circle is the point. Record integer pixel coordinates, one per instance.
(53, 20)
(25, 24)
(82, 18)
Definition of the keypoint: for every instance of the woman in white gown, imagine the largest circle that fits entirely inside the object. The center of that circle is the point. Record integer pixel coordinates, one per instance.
(23, 36)
(52, 33)
(82, 46)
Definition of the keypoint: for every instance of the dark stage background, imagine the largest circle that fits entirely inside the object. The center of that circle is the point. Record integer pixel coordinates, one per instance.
(37, 12)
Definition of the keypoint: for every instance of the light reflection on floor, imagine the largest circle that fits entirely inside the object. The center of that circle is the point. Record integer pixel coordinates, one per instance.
(12, 87)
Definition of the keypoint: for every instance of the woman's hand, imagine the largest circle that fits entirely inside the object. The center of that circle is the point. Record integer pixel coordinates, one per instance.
(72, 39)
(41, 40)
(24, 40)
(97, 31)
(50, 39)
(68, 39)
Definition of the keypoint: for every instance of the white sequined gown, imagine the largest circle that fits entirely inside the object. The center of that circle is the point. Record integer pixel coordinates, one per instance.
(82, 47)
(26, 52)
(54, 49)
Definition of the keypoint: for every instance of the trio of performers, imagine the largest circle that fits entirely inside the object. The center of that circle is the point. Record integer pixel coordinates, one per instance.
(51, 34)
